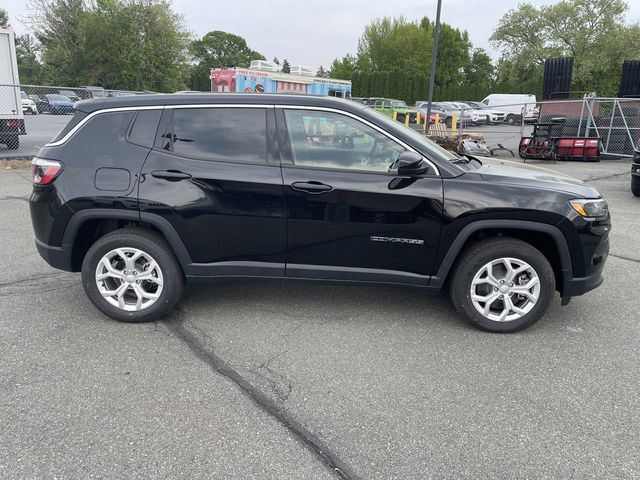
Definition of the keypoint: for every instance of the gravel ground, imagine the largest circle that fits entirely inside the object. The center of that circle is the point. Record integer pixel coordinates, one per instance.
(254, 379)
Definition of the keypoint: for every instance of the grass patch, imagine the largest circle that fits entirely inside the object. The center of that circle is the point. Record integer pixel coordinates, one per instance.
(15, 164)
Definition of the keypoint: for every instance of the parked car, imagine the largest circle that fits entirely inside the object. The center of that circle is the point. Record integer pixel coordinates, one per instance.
(56, 104)
(389, 106)
(94, 92)
(28, 105)
(493, 115)
(470, 115)
(70, 94)
(518, 107)
(635, 174)
(444, 110)
(140, 193)
(42, 104)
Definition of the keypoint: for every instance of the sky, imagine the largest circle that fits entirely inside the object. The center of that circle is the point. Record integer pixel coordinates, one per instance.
(314, 32)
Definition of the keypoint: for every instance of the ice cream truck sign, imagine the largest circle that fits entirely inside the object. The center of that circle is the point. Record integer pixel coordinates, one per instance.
(258, 81)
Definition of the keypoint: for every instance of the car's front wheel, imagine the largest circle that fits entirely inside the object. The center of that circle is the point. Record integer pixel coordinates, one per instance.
(502, 285)
(132, 275)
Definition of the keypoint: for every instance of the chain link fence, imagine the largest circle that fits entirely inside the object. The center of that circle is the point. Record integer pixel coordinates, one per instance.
(31, 115)
(614, 121)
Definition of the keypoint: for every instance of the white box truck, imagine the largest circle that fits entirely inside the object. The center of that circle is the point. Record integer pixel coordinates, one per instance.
(514, 105)
(11, 116)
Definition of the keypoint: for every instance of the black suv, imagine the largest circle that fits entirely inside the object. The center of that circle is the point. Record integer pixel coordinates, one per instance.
(141, 193)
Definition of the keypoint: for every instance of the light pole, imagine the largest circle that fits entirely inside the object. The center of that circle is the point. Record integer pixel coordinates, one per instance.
(434, 57)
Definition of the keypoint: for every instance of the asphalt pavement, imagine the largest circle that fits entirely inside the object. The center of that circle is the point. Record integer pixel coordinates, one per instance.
(257, 379)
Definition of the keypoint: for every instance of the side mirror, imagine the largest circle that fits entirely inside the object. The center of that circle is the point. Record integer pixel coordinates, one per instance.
(410, 164)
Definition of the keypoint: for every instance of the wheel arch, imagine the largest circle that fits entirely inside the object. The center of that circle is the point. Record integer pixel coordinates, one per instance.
(87, 226)
(521, 229)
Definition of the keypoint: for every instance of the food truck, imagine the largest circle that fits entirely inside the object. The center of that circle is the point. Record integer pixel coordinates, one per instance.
(264, 77)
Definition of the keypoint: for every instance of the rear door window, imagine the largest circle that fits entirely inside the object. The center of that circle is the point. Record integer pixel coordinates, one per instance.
(219, 134)
(143, 130)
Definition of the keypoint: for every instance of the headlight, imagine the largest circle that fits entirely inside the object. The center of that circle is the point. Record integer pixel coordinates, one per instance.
(590, 209)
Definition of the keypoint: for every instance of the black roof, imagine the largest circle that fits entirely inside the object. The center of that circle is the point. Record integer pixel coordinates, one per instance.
(215, 98)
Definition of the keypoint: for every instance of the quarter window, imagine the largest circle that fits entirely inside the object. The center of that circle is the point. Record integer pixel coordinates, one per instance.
(331, 140)
(236, 134)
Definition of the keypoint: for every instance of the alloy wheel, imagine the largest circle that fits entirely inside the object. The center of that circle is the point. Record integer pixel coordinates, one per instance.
(505, 289)
(129, 279)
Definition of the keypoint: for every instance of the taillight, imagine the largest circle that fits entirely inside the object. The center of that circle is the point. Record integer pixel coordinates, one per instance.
(13, 123)
(45, 171)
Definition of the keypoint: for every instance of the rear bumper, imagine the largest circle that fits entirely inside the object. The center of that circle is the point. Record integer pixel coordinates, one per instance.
(57, 257)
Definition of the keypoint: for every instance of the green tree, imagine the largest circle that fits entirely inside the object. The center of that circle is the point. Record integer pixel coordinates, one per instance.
(593, 32)
(453, 55)
(276, 61)
(218, 50)
(479, 71)
(29, 67)
(389, 44)
(344, 68)
(134, 45)
(121, 44)
(322, 73)
(56, 25)
(4, 17)
(286, 68)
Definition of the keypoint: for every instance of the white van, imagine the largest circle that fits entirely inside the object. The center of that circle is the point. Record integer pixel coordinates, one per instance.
(515, 105)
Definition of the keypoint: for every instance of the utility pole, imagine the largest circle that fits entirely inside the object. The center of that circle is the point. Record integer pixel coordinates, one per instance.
(434, 58)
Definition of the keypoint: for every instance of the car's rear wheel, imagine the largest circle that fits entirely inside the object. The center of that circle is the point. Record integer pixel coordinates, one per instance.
(132, 275)
(502, 285)
(635, 185)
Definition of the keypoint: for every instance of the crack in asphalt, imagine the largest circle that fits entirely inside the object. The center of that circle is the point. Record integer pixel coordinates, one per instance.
(613, 175)
(13, 197)
(39, 283)
(202, 350)
(621, 257)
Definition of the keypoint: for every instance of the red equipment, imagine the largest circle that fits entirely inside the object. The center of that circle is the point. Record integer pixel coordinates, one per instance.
(547, 143)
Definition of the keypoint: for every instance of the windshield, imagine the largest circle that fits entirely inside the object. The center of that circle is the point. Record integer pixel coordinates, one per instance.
(58, 98)
(24, 95)
(68, 93)
(428, 145)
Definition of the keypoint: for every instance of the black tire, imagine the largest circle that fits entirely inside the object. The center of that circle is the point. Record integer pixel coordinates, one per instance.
(448, 122)
(635, 185)
(513, 119)
(475, 257)
(13, 143)
(152, 244)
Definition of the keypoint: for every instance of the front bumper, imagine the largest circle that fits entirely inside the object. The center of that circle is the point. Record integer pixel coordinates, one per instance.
(576, 286)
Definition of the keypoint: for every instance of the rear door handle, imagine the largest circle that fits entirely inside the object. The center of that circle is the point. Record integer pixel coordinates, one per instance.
(311, 187)
(172, 175)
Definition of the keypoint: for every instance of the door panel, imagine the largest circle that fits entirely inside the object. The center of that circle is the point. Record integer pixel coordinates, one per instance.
(347, 217)
(367, 221)
(229, 214)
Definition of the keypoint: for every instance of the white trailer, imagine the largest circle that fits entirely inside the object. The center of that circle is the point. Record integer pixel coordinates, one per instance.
(11, 116)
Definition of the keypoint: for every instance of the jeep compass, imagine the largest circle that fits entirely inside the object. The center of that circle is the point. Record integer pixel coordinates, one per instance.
(143, 193)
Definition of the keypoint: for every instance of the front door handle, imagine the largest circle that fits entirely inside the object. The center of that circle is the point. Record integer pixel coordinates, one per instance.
(311, 187)
(171, 175)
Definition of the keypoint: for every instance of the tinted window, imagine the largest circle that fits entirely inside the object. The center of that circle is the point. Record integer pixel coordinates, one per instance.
(77, 117)
(220, 133)
(331, 140)
(143, 130)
